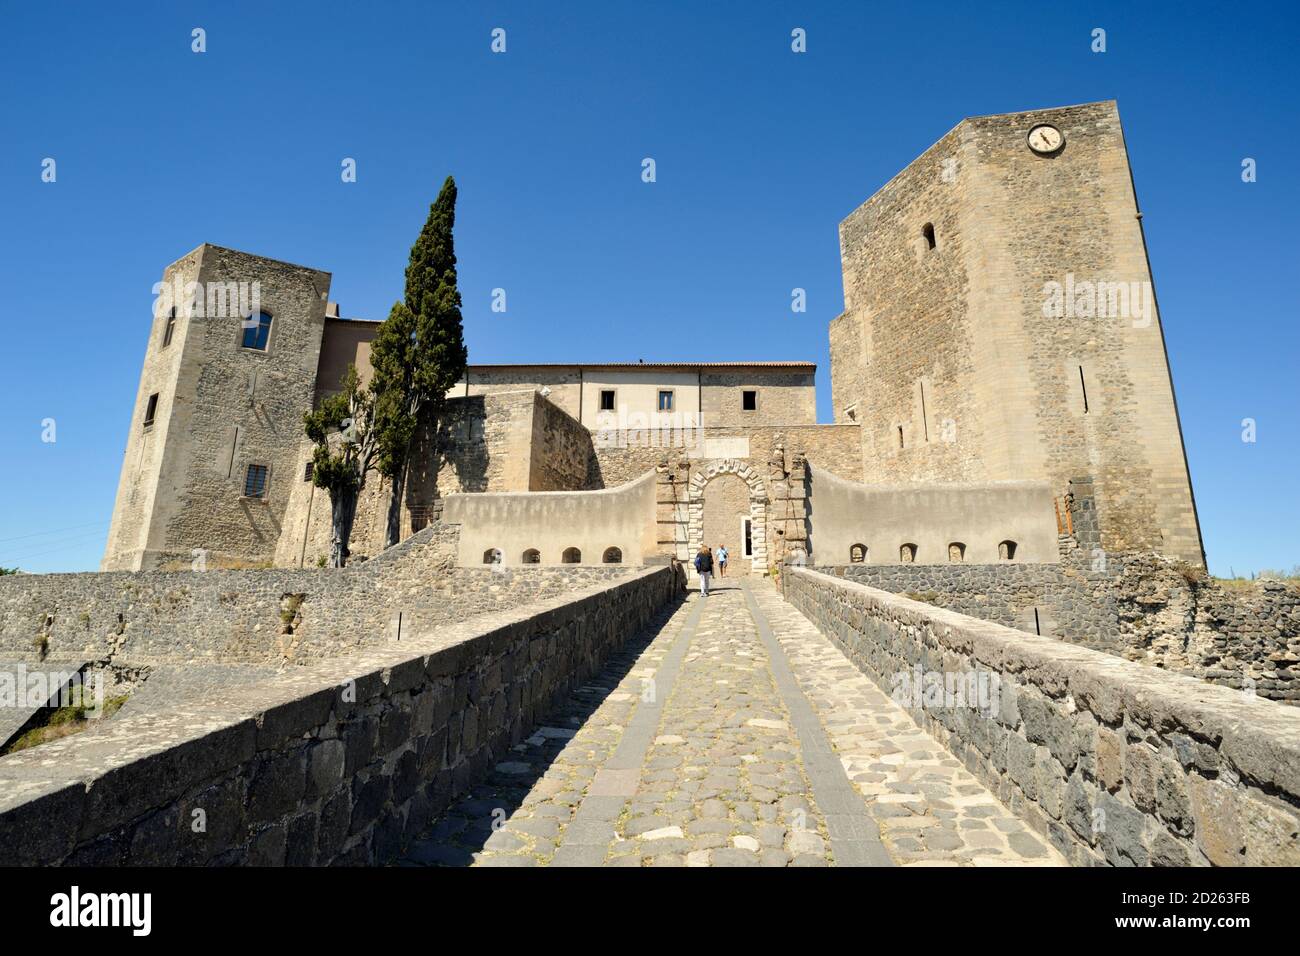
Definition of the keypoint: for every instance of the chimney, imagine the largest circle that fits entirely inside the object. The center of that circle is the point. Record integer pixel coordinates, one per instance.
(331, 310)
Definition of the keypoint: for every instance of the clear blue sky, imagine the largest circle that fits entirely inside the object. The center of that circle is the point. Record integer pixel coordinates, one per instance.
(760, 154)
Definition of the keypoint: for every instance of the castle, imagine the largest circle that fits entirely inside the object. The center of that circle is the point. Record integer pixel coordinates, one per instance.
(1000, 360)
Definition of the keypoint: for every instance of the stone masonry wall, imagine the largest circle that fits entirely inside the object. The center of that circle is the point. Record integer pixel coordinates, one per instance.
(1141, 607)
(341, 763)
(1113, 762)
(271, 616)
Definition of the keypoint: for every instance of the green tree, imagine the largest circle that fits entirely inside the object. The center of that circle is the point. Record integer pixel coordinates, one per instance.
(418, 353)
(343, 428)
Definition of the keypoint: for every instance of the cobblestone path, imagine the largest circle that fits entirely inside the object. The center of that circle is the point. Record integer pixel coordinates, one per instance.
(730, 733)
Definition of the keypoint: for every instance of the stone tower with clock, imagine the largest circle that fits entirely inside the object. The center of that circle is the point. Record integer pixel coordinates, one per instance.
(1000, 322)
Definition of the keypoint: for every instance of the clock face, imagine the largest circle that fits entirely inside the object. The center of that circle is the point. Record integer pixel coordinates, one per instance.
(1045, 139)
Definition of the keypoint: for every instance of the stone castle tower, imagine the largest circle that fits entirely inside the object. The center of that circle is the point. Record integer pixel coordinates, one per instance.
(219, 390)
(1000, 332)
(1000, 323)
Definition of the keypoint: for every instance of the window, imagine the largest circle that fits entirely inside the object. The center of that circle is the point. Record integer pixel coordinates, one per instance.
(257, 332)
(171, 327)
(907, 554)
(900, 436)
(532, 556)
(665, 401)
(606, 399)
(928, 231)
(612, 556)
(150, 410)
(419, 522)
(492, 556)
(571, 556)
(309, 471)
(255, 481)
(956, 551)
(1083, 390)
(857, 553)
(747, 536)
(1006, 551)
(749, 401)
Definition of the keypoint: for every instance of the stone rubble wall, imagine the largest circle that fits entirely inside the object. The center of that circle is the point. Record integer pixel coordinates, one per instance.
(271, 616)
(1142, 607)
(342, 763)
(1113, 762)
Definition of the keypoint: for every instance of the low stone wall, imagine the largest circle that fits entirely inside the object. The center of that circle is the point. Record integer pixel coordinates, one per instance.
(342, 762)
(1069, 600)
(1114, 762)
(551, 522)
(931, 518)
(1140, 606)
(270, 616)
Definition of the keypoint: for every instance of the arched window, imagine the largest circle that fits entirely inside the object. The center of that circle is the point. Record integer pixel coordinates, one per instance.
(257, 332)
(857, 553)
(571, 556)
(956, 551)
(532, 556)
(928, 231)
(612, 556)
(1006, 550)
(492, 556)
(907, 554)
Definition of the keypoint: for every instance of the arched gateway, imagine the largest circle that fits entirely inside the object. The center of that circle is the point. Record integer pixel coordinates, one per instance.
(757, 515)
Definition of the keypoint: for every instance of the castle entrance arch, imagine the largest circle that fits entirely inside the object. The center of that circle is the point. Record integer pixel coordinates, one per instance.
(728, 506)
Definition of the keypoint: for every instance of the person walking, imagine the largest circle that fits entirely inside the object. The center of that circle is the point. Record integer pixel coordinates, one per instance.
(722, 560)
(704, 565)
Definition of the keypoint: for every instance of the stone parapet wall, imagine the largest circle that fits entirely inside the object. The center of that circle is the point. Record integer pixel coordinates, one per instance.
(343, 762)
(1069, 601)
(1139, 606)
(1115, 763)
(271, 616)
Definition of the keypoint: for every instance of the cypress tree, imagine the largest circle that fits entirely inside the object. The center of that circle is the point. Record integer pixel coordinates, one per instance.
(418, 352)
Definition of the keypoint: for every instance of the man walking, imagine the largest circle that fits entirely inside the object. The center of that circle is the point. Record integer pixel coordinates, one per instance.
(704, 565)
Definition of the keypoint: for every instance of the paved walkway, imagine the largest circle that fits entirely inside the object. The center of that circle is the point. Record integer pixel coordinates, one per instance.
(730, 733)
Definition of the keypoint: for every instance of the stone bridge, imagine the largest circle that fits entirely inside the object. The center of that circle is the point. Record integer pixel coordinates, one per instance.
(765, 725)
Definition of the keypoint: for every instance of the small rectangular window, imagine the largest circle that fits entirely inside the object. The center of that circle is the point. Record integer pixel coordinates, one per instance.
(150, 410)
(606, 399)
(171, 327)
(665, 401)
(309, 471)
(257, 332)
(749, 401)
(255, 481)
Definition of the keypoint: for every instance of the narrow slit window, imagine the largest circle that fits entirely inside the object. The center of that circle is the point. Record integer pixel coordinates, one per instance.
(171, 328)
(150, 410)
(1083, 390)
(928, 232)
(900, 436)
